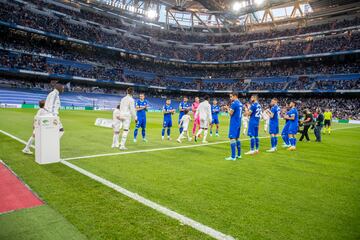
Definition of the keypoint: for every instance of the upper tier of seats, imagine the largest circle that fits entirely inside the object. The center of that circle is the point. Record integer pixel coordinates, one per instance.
(116, 38)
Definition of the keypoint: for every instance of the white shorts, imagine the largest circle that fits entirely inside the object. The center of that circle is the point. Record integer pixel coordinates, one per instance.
(116, 126)
(204, 123)
(125, 123)
(185, 127)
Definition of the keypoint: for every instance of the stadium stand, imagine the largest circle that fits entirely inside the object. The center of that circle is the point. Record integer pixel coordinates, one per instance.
(73, 44)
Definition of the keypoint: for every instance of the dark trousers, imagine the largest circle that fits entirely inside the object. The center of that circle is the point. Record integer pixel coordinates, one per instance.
(305, 133)
(317, 132)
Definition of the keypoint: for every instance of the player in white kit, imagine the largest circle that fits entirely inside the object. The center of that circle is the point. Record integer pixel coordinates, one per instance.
(266, 118)
(204, 114)
(184, 124)
(127, 110)
(245, 122)
(52, 104)
(41, 112)
(116, 125)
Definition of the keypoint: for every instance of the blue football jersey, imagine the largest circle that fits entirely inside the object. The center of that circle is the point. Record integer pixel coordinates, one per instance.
(215, 110)
(293, 112)
(275, 111)
(255, 109)
(166, 109)
(237, 108)
(141, 113)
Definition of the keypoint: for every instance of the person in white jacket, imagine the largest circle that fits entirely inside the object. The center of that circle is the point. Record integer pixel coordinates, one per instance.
(41, 112)
(127, 111)
(116, 125)
(52, 104)
(203, 112)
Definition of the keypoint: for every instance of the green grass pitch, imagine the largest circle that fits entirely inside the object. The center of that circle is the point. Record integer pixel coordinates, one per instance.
(312, 193)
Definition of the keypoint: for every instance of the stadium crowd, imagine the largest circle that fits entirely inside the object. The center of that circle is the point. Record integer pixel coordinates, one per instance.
(99, 34)
(342, 108)
(41, 64)
(158, 33)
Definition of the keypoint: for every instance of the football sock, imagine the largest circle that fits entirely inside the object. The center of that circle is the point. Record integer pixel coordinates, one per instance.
(124, 137)
(257, 143)
(116, 139)
(252, 143)
(136, 133)
(29, 142)
(233, 146)
(205, 135)
(143, 133)
(238, 146)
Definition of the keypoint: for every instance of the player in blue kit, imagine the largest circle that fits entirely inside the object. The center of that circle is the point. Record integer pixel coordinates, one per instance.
(273, 113)
(168, 110)
(215, 110)
(141, 107)
(285, 131)
(182, 107)
(254, 112)
(293, 116)
(235, 112)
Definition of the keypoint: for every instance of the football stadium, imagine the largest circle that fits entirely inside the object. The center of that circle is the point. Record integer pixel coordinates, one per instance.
(179, 119)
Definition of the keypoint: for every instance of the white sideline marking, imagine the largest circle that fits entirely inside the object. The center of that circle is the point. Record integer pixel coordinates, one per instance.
(169, 148)
(14, 137)
(151, 150)
(177, 216)
(183, 219)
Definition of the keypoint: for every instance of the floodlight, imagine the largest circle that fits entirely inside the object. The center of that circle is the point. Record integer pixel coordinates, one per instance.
(236, 6)
(151, 13)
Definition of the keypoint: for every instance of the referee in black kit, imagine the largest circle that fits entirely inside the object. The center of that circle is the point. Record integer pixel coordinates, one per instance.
(308, 122)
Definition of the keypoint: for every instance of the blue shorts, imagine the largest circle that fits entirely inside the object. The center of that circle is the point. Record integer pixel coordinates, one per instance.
(141, 123)
(215, 120)
(167, 123)
(253, 131)
(293, 129)
(285, 130)
(234, 132)
(274, 129)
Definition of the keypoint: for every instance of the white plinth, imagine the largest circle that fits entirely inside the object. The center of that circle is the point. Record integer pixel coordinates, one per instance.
(47, 142)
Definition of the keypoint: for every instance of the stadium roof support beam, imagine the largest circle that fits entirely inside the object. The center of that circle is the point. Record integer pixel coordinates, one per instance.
(296, 8)
(194, 13)
(218, 23)
(177, 22)
(267, 13)
(224, 24)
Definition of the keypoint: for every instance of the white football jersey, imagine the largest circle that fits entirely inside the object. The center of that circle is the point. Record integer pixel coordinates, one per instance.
(127, 107)
(204, 111)
(52, 103)
(185, 121)
(116, 115)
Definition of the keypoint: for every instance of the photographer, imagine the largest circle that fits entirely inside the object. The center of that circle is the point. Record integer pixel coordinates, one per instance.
(307, 122)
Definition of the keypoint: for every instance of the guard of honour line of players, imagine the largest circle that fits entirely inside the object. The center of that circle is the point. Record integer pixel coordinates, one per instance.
(205, 116)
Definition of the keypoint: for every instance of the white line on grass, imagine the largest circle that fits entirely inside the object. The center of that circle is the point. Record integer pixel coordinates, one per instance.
(151, 150)
(177, 216)
(166, 148)
(14, 137)
(183, 219)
